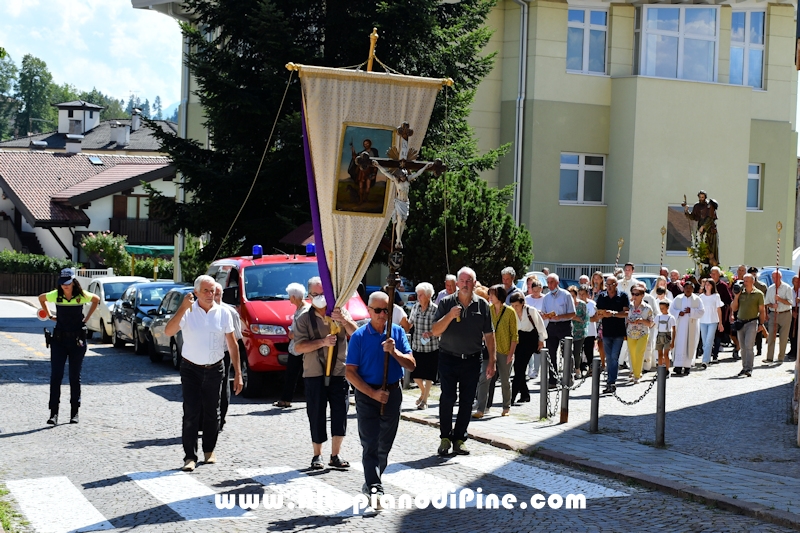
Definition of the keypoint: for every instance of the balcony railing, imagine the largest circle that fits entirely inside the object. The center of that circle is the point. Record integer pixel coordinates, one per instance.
(576, 270)
(141, 231)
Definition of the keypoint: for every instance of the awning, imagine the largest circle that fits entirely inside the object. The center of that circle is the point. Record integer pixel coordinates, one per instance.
(155, 251)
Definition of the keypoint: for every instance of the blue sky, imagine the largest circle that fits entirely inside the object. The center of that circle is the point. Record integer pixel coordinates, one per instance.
(97, 43)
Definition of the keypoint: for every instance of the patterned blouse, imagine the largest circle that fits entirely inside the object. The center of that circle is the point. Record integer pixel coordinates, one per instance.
(422, 322)
(506, 329)
(642, 312)
(580, 324)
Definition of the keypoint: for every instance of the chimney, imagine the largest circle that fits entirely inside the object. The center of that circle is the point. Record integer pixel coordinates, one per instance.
(120, 134)
(136, 119)
(38, 145)
(74, 143)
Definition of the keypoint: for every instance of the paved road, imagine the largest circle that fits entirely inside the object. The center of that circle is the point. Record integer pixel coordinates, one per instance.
(118, 467)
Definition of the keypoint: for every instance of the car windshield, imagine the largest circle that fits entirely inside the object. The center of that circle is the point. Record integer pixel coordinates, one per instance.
(152, 295)
(113, 291)
(269, 282)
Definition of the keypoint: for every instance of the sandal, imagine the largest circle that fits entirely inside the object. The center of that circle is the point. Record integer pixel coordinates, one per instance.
(281, 403)
(338, 462)
(316, 463)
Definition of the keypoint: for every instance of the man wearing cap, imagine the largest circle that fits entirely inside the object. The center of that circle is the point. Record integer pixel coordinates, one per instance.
(207, 329)
(69, 339)
(377, 409)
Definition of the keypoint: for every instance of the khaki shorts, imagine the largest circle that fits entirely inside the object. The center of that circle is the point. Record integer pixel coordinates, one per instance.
(663, 340)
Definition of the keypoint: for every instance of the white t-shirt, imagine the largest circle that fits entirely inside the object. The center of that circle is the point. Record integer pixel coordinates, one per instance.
(710, 305)
(591, 309)
(204, 334)
(665, 323)
(537, 303)
(398, 314)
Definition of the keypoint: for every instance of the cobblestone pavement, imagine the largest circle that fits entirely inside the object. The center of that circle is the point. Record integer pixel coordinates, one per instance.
(118, 467)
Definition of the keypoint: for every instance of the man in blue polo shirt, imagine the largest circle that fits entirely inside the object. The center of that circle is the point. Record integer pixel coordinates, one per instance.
(364, 370)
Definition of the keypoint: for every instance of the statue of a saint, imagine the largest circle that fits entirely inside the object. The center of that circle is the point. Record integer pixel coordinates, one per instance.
(704, 213)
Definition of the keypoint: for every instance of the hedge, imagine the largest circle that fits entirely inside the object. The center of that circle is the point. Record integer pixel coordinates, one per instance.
(17, 262)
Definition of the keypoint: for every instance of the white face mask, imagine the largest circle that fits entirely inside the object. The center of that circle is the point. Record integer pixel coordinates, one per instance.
(319, 302)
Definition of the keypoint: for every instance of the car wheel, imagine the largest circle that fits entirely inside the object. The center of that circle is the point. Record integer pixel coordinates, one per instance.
(105, 337)
(251, 380)
(118, 342)
(176, 355)
(155, 356)
(139, 348)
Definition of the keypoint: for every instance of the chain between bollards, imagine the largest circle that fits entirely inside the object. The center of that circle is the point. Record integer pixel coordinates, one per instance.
(595, 408)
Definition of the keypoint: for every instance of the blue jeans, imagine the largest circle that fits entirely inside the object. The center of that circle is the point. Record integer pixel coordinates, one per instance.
(708, 333)
(465, 374)
(377, 432)
(612, 346)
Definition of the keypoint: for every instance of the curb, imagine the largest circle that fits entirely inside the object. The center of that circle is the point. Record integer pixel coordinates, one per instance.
(674, 488)
(20, 300)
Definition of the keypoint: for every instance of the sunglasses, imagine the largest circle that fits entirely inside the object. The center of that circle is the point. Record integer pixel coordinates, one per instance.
(380, 310)
(637, 293)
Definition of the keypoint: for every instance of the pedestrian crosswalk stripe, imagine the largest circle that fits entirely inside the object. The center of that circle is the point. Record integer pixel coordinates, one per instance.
(534, 477)
(296, 487)
(416, 482)
(185, 495)
(55, 505)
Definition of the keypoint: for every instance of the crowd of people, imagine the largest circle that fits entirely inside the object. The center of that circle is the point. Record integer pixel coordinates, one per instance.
(467, 337)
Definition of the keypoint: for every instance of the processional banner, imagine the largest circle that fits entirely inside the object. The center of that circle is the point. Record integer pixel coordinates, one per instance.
(346, 113)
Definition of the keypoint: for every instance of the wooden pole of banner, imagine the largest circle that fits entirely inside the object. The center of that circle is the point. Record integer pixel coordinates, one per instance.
(774, 333)
(334, 330)
(373, 39)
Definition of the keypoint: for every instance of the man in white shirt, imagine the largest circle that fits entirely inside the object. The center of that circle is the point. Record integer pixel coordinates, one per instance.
(628, 281)
(207, 328)
(778, 301)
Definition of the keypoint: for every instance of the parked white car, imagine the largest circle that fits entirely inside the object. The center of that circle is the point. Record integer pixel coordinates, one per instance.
(109, 289)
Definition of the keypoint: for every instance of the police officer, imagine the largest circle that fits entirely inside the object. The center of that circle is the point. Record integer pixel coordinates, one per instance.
(69, 339)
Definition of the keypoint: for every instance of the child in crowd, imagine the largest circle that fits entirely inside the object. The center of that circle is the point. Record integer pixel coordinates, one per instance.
(665, 341)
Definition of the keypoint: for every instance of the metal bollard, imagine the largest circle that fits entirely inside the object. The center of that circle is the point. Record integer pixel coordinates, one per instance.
(595, 407)
(661, 405)
(566, 381)
(544, 381)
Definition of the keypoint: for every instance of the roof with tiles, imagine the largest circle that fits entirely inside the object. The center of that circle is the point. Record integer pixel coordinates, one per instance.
(32, 180)
(99, 138)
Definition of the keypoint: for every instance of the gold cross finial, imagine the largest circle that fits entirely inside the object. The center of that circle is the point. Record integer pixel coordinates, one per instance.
(373, 39)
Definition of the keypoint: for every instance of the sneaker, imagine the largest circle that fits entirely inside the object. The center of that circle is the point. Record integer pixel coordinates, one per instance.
(188, 465)
(209, 458)
(460, 449)
(444, 447)
(53, 420)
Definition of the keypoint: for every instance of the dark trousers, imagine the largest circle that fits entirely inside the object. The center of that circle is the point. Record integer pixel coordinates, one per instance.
(522, 357)
(588, 352)
(793, 338)
(556, 331)
(464, 374)
(60, 352)
(225, 397)
(318, 397)
(294, 368)
(202, 387)
(377, 433)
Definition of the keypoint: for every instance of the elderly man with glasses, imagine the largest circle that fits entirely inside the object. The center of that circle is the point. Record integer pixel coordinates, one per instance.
(377, 408)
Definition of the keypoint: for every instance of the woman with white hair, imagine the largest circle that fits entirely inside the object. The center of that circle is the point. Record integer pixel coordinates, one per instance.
(294, 365)
(424, 346)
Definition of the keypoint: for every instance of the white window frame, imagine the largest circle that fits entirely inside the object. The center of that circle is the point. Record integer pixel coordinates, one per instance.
(747, 46)
(759, 177)
(680, 34)
(582, 167)
(587, 27)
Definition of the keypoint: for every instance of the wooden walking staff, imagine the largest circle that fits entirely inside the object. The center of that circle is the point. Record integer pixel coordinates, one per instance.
(663, 234)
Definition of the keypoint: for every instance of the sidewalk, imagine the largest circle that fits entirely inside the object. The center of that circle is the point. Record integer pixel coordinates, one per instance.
(33, 301)
(728, 441)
